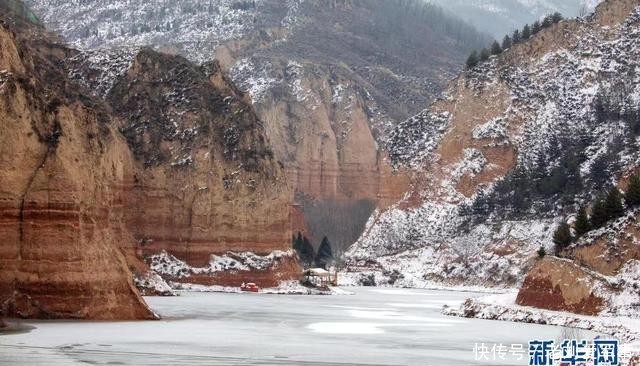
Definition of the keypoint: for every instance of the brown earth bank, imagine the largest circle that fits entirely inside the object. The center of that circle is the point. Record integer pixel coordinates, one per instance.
(555, 284)
(581, 281)
(60, 164)
(607, 251)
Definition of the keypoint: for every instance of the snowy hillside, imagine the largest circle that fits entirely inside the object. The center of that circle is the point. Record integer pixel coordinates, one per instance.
(500, 17)
(514, 145)
(191, 27)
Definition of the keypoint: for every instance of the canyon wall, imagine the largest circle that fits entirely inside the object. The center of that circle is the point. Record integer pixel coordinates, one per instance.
(512, 147)
(61, 197)
(329, 79)
(206, 181)
(109, 162)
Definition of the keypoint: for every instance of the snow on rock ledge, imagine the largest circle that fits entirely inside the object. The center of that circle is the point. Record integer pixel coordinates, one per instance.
(166, 264)
(502, 307)
(284, 288)
(151, 284)
(228, 270)
(417, 248)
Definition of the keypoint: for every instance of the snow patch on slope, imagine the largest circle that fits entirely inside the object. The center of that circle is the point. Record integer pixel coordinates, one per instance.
(192, 27)
(168, 265)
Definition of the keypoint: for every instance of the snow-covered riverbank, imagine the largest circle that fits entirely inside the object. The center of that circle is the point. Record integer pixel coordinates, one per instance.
(503, 307)
(285, 288)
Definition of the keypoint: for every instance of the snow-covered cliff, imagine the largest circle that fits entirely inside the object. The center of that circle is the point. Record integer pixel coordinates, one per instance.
(513, 146)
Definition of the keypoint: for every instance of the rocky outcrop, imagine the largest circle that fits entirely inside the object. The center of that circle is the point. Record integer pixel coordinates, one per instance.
(172, 159)
(61, 198)
(560, 285)
(205, 180)
(597, 274)
(219, 185)
(330, 88)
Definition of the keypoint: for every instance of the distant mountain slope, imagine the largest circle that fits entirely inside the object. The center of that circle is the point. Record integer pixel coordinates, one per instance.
(513, 146)
(329, 78)
(500, 17)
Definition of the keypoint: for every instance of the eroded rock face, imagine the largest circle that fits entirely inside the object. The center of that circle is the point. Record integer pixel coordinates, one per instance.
(327, 78)
(555, 284)
(503, 156)
(206, 181)
(61, 196)
(608, 249)
(329, 88)
(177, 161)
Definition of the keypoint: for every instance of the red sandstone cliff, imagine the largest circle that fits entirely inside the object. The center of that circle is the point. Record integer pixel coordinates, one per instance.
(61, 197)
(206, 181)
(172, 161)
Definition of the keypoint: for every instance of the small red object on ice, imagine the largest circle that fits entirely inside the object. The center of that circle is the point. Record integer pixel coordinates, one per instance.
(249, 287)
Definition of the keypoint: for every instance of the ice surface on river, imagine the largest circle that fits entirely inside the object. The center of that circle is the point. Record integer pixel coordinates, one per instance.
(373, 327)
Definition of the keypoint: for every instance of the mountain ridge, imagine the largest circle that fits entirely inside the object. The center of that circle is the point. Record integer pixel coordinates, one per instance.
(510, 149)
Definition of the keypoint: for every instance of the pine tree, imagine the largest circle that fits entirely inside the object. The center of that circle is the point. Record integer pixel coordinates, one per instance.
(495, 48)
(542, 252)
(632, 196)
(516, 37)
(562, 237)
(536, 27)
(307, 254)
(484, 54)
(582, 225)
(472, 61)
(547, 21)
(599, 215)
(526, 32)
(298, 242)
(325, 254)
(614, 206)
(556, 17)
(506, 42)
(298, 246)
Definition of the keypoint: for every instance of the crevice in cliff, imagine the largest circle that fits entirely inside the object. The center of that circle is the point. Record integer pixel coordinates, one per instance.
(190, 238)
(51, 140)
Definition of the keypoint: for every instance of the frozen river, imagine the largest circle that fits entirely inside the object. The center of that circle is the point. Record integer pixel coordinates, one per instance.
(372, 327)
